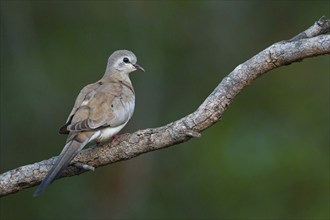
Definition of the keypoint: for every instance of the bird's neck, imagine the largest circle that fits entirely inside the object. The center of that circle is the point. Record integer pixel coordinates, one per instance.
(115, 76)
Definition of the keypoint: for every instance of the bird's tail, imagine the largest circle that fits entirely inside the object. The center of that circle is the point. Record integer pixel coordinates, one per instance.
(74, 144)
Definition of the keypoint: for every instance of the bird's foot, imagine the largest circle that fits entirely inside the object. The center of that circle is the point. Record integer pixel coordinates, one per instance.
(119, 136)
(96, 144)
(115, 137)
(84, 166)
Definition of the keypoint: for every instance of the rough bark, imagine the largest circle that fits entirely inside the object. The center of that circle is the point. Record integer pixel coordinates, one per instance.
(310, 43)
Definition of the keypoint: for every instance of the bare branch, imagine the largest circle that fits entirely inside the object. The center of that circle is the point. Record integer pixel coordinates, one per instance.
(322, 26)
(309, 43)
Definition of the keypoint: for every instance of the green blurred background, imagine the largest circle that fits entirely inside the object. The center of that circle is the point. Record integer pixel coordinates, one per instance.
(267, 159)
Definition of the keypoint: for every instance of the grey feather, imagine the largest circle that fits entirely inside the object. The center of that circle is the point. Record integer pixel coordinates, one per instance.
(70, 150)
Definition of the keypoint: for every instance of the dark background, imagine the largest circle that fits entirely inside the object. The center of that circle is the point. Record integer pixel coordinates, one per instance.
(267, 159)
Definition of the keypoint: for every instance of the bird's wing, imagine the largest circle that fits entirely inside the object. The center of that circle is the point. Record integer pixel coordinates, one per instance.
(109, 104)
(87, 90)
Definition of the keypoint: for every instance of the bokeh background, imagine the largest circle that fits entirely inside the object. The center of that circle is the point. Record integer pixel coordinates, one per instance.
(268, 158)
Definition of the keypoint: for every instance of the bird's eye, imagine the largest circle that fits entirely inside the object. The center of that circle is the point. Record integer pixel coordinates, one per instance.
(126, 60)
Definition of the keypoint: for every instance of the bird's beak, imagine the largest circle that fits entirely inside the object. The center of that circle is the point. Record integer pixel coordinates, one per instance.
(138, 67)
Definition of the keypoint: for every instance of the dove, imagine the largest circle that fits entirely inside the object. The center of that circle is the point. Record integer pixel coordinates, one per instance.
(100, 111)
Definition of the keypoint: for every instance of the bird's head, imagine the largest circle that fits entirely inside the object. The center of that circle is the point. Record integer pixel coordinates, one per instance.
(123, 61)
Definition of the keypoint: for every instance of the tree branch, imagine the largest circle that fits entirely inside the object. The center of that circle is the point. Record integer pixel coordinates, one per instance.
(309, 43)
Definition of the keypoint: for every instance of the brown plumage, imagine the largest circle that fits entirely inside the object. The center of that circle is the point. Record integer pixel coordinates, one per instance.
(100, 111)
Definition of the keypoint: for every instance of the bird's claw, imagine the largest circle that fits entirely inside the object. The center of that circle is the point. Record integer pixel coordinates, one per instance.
(84, 166)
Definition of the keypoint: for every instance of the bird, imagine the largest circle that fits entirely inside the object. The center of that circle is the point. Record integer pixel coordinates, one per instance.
(100, 111)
